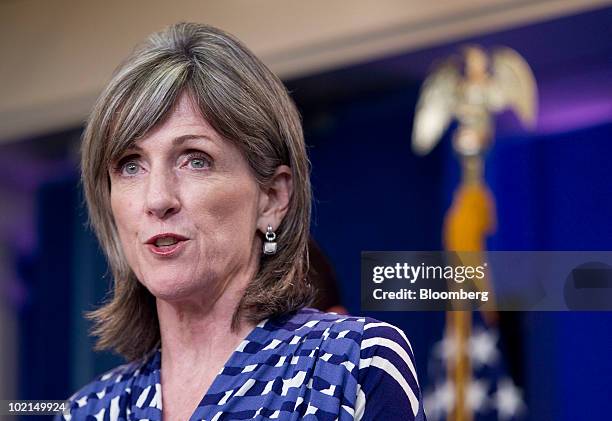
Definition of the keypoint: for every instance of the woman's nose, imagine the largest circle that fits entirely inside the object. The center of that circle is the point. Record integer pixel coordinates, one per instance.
(161, 197)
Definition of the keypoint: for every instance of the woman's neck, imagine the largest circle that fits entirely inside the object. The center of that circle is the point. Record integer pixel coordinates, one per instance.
(197, 341)
(199, 328)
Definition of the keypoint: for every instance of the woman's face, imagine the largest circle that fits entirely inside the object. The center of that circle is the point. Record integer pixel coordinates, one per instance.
(186, 207)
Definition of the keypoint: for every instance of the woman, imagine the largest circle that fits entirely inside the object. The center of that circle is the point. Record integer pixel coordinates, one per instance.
(196, 179)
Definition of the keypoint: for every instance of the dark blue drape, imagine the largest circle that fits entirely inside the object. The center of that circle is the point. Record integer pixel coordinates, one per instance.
(552, 193)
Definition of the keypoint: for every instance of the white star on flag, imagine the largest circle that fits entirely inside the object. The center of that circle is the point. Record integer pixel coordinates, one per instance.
(447, 348)
(483, 349)
(440, 402)
(476, 395)
(508, 400)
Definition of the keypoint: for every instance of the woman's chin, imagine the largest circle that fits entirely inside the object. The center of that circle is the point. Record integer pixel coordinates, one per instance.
(174, 291)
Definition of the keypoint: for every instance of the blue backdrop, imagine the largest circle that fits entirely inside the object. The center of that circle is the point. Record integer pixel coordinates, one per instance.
(552, 193)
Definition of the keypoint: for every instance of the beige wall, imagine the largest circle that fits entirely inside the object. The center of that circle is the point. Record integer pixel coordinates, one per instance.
(57, 55)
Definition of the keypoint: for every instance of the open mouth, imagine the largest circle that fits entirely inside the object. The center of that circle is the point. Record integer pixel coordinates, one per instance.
(166, 244)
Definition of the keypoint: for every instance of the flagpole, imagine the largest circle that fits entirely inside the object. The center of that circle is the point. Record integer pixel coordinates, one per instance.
(471, 94)
(467, 223)
(459, 326)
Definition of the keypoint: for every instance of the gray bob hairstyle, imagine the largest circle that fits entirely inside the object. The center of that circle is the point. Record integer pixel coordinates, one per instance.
(247, 105)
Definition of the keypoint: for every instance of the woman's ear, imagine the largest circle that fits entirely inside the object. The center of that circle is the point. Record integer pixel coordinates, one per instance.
(274, 200)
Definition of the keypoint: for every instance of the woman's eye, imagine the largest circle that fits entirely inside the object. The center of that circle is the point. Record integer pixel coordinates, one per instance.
(130, 168)
(198, 162)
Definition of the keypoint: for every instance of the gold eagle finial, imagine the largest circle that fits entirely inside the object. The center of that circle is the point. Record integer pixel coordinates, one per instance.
(470, 89)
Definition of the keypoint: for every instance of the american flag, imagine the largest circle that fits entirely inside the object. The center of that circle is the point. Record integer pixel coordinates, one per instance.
(490, 393)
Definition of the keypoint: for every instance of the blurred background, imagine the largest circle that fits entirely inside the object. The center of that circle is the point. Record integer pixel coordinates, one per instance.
(354, 69)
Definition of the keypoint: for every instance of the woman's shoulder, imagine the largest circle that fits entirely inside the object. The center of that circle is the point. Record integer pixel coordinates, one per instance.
(365, 332)
(377, 355)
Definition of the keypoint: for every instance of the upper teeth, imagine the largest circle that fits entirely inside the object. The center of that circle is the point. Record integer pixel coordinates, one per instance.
(165, 241)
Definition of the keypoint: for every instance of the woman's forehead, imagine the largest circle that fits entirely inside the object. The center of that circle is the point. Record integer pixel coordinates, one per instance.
(183, 122)
(184, 115)
(185, 107)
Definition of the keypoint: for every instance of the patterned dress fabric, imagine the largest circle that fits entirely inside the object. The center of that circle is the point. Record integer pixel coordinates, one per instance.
(307, 365)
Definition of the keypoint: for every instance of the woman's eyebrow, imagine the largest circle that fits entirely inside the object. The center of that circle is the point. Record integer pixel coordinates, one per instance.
(131, 147)
(181, 139)
(134, 147)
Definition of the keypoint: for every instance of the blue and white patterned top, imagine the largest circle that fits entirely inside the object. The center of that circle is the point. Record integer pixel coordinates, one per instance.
(307, 365)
